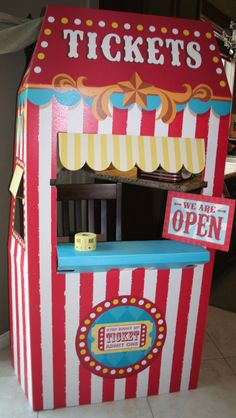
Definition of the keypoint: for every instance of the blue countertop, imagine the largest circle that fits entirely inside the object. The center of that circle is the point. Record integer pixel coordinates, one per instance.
(162, 254)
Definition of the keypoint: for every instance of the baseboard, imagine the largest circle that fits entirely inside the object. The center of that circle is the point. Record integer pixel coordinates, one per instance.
(4, 340)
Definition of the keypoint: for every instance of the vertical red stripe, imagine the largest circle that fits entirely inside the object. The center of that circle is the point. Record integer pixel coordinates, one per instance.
(119, 121)
(112, 290)
(10, 273)
(175, 127)
(32, 200)
(24, 321)
(160, 301)
(86, 303)
(138, 276)
(148, 122)
(181, 329)
(17, 278)
(201, 321)
(58, 282)
(90, 123)
(222, 147)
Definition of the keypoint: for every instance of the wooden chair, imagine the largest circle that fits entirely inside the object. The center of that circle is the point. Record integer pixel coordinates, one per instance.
(79, 207)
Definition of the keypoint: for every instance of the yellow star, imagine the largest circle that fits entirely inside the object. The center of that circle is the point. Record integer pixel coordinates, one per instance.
(135, 91)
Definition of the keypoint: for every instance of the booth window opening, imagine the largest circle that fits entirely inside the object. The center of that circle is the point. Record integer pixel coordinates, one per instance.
(86, 206)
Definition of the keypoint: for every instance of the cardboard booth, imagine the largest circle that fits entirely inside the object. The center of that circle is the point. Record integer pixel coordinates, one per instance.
(106, 89)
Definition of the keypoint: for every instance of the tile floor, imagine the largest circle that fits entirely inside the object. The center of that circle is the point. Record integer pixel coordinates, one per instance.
(214, 398)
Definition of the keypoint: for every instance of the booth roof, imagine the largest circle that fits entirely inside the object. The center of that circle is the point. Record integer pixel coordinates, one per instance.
(100, 53)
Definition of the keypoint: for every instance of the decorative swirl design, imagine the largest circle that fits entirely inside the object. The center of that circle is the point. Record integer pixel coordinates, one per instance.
(134, 91)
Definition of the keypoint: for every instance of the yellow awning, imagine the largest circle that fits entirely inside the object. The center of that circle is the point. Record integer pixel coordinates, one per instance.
(126, 151)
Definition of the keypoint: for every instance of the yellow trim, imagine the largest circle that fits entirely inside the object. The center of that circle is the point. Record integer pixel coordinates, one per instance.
(201, 155)
(129, 154)
(116, 157)
(189, 156)
(178, 163)
(141, 151)
(104, 151)
(91, 161)
(148, 153)
(165, 150)
(154, 153)
(63, 149)
(77, 148)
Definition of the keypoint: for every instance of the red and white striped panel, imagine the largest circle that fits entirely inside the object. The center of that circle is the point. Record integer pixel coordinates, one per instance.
(18, 280)
(20, 315)
(57, 301)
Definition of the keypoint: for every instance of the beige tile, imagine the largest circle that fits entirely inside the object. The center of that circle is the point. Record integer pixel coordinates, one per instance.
(13, 403)
(213, 369)
(5, 363)
(210, 350)
(221, 327)
(132, 408)
(232, 363)
(215, 396)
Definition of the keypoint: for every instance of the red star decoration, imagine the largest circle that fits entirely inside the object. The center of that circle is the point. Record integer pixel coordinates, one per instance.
(135, 91)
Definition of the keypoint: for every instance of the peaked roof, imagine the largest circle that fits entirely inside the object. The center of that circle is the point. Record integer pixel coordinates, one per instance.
(136, 55)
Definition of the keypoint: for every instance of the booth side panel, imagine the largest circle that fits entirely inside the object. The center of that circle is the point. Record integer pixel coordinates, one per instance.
(18, 280)
(32, 215)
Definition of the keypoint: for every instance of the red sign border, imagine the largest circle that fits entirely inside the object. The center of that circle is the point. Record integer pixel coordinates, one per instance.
(195, 197)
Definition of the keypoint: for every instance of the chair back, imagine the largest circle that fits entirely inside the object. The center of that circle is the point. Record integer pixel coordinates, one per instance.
(88, 208)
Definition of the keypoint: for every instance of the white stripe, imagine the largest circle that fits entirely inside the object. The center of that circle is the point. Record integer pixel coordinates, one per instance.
(150, 284)
(124, 289)
(149, 293)
(20, 136)
(45, 135)
(125, 282)
(20, 315)
(189, 124)
(27, 318)
(211, 151)
(171, 318)
(105, 125)
(99, 294)
(188, 131)
(191, 326)
(72, 298)
(18, 132)
(14, 314)
(161, 128)
(75, 117)
(26, 281)
(134, 120)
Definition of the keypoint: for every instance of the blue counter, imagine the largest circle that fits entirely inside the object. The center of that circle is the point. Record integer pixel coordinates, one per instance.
(162, 254)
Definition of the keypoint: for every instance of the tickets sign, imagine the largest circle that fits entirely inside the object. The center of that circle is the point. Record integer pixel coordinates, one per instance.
(198, 219)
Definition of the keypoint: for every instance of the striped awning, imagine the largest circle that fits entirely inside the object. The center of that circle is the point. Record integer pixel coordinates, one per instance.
(124, 152)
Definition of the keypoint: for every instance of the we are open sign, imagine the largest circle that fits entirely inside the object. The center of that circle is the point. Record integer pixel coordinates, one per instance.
(197, 219)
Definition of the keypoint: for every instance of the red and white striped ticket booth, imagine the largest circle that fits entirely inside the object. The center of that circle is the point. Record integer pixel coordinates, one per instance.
(132, 90)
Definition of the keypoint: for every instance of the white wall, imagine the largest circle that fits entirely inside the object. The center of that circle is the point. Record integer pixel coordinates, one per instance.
(12, 67)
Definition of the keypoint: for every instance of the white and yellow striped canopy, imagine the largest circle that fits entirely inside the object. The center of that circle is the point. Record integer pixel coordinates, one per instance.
(126, 151)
